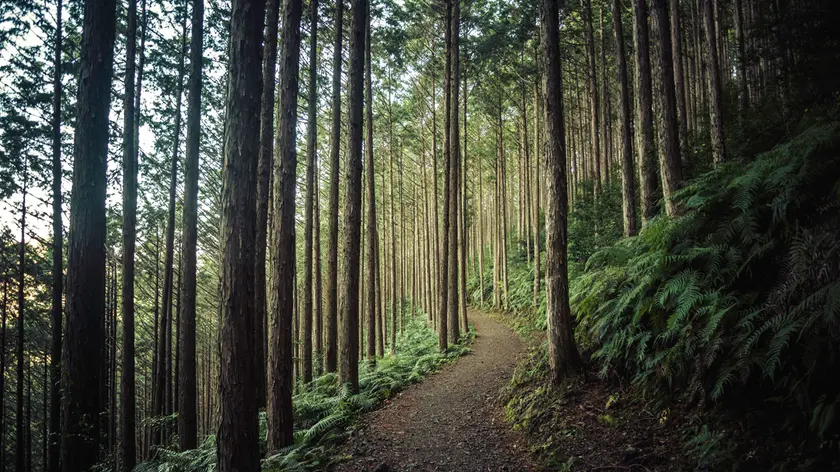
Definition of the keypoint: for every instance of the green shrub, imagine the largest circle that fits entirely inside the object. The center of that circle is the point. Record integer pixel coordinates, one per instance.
(736, 303)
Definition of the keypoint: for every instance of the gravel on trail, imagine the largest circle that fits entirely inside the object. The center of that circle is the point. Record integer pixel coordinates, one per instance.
(452, 420)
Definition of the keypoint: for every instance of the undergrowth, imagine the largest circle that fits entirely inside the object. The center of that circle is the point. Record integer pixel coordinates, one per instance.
(325, 413)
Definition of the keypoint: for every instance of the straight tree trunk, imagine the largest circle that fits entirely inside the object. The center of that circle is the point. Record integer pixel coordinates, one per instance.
(628, 184)
(594, 105)
(370, 296)
(3, 373)
(56, 310)
(319, 304)
(443, 289)
(281, 380)
(393, 249)
(563, 355)
(670, 166)
(187, 407)
(85, 296)
(21, 422)
(455, 165)
(311, 151)
(128, 393)
(644, 113)
(163, 387)
(679, 79)
(264, 170)
(238, 443)
(331, 319)
(349, 336)
(743, 93)
(713, 75)
(539, 149)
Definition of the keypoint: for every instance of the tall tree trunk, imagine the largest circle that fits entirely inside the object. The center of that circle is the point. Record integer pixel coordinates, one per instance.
(319, 304)
(679, 80)
(311, 151)
(21, 423)
(238, 446)
(349, 336)
(738, 17)
(443, 289)
(628, 184)
(454, 167)
(393, 248)
(264, 169)
(594, 105)
(3, 373)
(462, 241)
(539, 149)
(128, 393)
(187, 408)
(163, 384)
(371, 207)
(331, 320)
(280, 357)
(713, 75)
(85, 297)
(563, 355)
(670, 166)
(644, 112)
(54, 462)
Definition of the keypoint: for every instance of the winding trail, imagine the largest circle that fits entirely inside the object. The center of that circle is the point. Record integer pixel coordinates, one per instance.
(452, 421)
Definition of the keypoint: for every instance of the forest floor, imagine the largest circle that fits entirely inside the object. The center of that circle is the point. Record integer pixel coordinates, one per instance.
(453, 420)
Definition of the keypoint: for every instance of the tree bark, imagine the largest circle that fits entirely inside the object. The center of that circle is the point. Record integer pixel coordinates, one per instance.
(164, 378)
(594, 106)
(264, 169)
(21, 421)
(563, 355)
(85, 297)
(443, 288)
(349, 336)
(454, 170)
(715, 102)
(311, 151)
(370, 174)
(331, 319)
(128, 393)
(238, 443)
(187, 408)
(670, 165)
(644, 113)
(56, 310)
(679, 80)
(280, 374)
(628, 184)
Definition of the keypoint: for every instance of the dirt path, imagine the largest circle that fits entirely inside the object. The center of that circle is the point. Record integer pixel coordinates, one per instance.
(451, 421)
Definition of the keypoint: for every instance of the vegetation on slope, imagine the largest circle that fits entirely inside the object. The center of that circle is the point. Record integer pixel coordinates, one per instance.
(729, 311)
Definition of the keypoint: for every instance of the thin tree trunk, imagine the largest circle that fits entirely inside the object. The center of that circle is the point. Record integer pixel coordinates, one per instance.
(669, 157)
(371, 206)
(679, 80)
(628, 185)
(393, 249)
(187, 401)
(54, 462)
(331, 320)
(311, 151)
(319, 304)
(128, 393)
(163, 384)
(264, 171)
(85, 302)
(539, 149)
(594, 105)
(238, 446)
(644, 113)
(563, 355)
(3, 373)
(349, 336)
(715, 101)
(20, 444)
(443, 330)
(454, 170)
(281, 378)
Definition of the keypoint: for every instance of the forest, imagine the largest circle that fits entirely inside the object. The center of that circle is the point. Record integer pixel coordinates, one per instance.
(575, 235)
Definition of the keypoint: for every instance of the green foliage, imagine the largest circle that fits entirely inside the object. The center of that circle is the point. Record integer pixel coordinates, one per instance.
(736, 303)
(325, 414)
(594, 223)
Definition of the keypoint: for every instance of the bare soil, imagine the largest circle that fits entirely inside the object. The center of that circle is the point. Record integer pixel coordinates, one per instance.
(453, 420)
